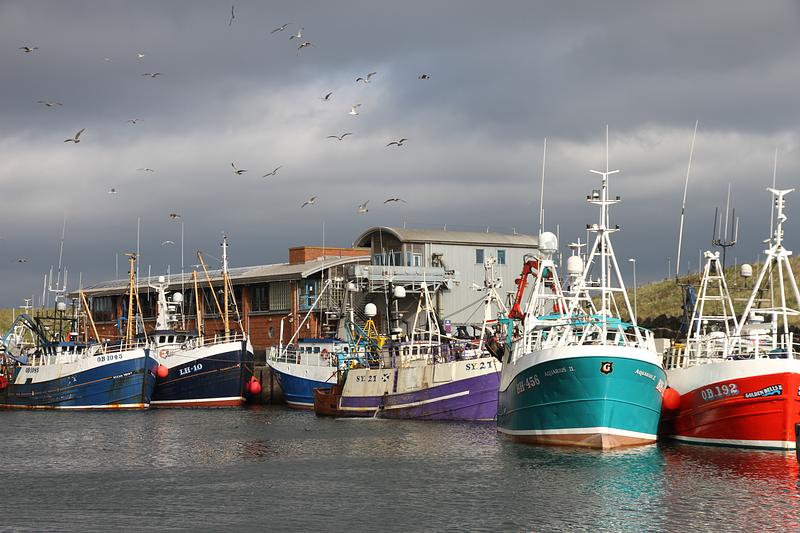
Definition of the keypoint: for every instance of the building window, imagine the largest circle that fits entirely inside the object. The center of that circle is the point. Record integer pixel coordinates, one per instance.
(259, 298)
(417, 260)
(377, 259)
(479, 256)
(103, 308)
(501, 257)
(271, 332)
(311, 293)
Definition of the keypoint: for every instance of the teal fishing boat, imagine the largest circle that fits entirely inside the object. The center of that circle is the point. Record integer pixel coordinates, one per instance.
(574, 373)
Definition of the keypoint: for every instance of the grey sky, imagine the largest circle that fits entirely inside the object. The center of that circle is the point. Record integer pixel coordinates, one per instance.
(503, 76)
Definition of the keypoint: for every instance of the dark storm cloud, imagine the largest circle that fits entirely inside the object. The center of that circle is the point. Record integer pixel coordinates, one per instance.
(503, 76)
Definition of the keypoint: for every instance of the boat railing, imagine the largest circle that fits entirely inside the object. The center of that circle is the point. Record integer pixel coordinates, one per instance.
(724, 347)
(573, 332)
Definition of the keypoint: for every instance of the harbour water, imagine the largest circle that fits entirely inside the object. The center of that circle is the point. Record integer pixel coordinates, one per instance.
(272, 469)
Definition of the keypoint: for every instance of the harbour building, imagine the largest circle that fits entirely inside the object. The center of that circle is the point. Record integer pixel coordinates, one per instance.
(314, 290)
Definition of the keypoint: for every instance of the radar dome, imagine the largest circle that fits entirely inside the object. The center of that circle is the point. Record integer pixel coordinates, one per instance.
(548, 242)
(746, 270)
(161, 279)
(370, 310)
(399, 292)
(177, 297)
(574, 265)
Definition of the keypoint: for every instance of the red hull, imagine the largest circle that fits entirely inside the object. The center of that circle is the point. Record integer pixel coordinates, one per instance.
(757, 411)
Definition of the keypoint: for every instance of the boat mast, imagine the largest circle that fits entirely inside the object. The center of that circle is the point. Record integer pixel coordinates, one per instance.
(198, 315)
(131, 283)
(777, 258)
(226, 321)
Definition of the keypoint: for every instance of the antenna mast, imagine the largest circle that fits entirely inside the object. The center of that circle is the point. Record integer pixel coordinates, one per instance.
(541, 193)
(683, 205)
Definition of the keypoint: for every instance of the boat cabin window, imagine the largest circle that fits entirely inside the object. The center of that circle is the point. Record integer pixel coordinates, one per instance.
(316, 349)
(162, 338)
(171, 339)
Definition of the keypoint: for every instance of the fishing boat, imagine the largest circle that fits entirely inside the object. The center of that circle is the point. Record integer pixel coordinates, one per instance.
(312, 364)
(426, 376)
(738, 380)
(197, 370)
(45, 365)
(575, 373)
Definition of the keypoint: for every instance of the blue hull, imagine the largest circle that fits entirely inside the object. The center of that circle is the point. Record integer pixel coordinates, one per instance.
(298, 391)
(218, 380)
(122, 385)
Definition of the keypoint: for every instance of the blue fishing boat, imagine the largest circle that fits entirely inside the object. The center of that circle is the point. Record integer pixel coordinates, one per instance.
(197, 369)
(311, 365)
(574, 372)
(40, 369)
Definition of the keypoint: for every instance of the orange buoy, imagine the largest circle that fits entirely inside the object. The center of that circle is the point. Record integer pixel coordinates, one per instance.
(254, 386)
(162, 371)
(671, 399)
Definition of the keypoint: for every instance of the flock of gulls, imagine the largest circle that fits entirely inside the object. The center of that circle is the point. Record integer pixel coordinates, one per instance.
(328, 97)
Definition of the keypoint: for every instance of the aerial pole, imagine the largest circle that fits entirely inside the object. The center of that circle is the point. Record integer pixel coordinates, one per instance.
(683, 205)
(541, 192)
(131, 311)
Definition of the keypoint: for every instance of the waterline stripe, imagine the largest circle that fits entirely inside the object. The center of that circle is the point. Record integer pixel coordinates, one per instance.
(579, 431)
(410, 404)
(780, 444)
(201, 400)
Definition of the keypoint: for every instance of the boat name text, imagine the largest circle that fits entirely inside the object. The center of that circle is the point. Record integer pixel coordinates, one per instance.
(719, 391)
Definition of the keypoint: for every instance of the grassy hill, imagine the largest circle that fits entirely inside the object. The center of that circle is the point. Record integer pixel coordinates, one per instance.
(663, 299)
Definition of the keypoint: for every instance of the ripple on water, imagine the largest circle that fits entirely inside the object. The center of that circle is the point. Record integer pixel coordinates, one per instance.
(279, 469)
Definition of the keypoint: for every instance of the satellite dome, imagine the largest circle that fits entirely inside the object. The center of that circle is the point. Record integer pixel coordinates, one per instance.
(177, 297)
(746, 270)
(574, 265)
(370, 310)
(61, 306)
(548, 242)
(161, 279)
(399, 292)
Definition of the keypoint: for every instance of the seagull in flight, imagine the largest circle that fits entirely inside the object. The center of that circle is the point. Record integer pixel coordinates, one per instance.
(398, 142)
(354, 110)
(22, 260)
(112, 190)
(167, 242)
(48, 104)
(280, 28)
(327, 97)
(304, 45)
(174, 216)
(233, 16)
(273, 173)
(362, 208)
(389, 200)
(367, 79)
(310, 201)
(146, 169)
(152, 75)
(139, 55)
(424, 77)
(28, 49)
(133, 120)
(75, 139)
(238, 171)
(340, 137)
(298, 35)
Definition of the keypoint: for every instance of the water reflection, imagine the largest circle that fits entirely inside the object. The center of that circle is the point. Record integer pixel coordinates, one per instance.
(375, 475)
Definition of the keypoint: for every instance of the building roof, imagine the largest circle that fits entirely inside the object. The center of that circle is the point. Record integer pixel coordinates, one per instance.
(239, 275)
(443, 236)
